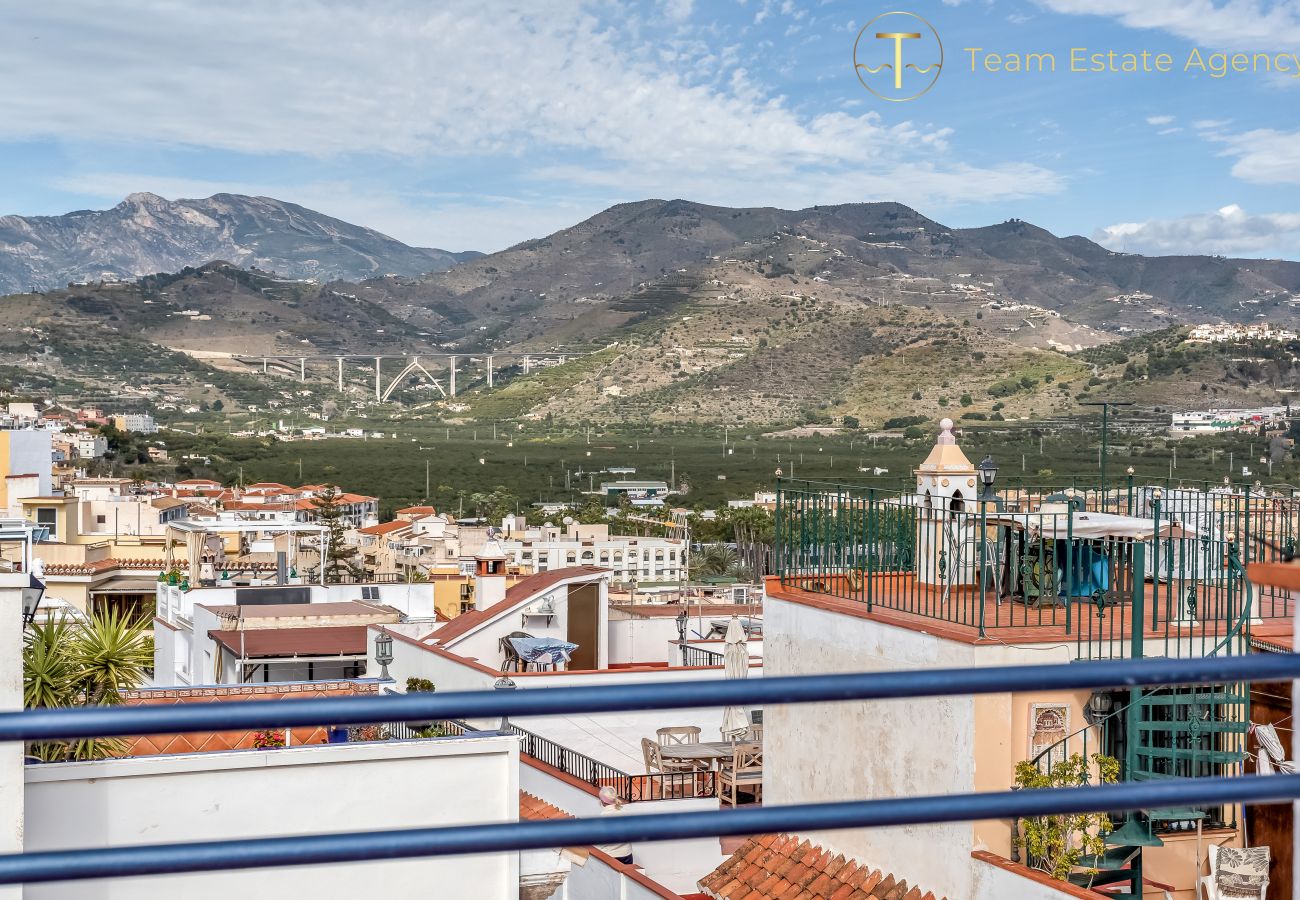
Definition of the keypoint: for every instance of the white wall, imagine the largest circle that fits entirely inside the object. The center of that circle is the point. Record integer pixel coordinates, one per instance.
(484, 644)
(994, 883)
(11, 698)
(29, 453)
(259, 793)
(677, 865)
(414, 600)
(643, 640)
(907, 747)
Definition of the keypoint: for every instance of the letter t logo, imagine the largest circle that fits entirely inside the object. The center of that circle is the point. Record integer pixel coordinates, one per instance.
(898, 37)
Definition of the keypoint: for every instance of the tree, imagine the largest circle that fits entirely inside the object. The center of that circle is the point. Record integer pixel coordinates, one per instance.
(716, 561)
(1055, 844)
(84, 663)
(340, 559)
(218, 405)
(851, 422)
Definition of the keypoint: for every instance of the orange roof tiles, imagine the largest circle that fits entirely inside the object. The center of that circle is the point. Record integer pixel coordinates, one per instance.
(531, 807)
(784, 867)
(383, 527)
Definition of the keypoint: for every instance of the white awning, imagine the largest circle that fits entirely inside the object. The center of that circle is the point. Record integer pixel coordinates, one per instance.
(1089, 525)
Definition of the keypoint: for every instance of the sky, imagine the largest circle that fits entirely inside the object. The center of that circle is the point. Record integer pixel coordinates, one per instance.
(476, 125)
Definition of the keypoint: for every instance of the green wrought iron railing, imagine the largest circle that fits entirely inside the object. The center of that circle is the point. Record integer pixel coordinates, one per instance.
(1030, 559)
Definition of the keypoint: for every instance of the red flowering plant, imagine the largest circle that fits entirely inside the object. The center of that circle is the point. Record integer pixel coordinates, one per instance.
(269, 739)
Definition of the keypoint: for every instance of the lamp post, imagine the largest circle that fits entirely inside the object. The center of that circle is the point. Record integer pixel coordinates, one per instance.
(988, 472)
(31, 599)
(504, 683)
(384, 654)
(1105, 431)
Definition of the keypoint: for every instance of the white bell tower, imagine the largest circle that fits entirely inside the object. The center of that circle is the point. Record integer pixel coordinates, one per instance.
(945, 487)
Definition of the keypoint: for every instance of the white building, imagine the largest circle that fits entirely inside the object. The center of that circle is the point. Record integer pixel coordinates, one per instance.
(91, 446)
(141, 423)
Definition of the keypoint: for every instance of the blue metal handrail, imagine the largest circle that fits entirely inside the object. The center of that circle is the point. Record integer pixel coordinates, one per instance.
(65, 865)
(110, 721)
(158, 859)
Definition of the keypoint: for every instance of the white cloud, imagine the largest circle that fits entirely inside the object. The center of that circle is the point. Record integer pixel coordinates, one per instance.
(1231, 24)
(1263, 156)
(678, 10)
(526, 86)
(1159, 120)
(1230, 231)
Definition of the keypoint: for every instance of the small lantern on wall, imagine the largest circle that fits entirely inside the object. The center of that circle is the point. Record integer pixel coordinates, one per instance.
(384, 654)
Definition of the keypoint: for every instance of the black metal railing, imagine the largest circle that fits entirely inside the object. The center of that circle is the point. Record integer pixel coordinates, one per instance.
(631, 788)
(699, 656)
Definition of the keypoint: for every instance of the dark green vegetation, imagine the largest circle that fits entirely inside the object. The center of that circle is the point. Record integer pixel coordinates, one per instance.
(521, 467)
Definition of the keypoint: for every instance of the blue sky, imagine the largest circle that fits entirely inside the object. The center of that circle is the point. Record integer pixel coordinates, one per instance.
(476, 125)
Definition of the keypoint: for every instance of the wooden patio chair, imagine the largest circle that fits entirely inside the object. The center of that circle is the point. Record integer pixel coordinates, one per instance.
(745, 772)
(675, 775)
(678, 734)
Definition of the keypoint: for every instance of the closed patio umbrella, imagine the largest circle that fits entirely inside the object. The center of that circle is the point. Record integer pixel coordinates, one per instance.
(735, 662)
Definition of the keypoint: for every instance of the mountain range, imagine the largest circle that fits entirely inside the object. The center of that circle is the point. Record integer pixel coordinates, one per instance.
(146, 234)
(674, 310)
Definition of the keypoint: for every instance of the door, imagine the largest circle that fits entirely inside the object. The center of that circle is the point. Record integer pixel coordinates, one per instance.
(584, 625)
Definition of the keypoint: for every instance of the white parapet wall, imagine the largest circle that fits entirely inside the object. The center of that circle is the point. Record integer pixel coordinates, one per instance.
(11, 698)
(263, 793)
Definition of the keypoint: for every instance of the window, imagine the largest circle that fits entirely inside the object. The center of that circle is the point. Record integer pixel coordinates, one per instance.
(101, 520)
(588, 556)
(618, 556)
(370, 593)
(47, 515)
(571, 557)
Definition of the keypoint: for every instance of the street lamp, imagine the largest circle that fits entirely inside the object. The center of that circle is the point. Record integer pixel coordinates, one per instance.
(988, 470)
(504, 683)
(32, 595)
(384, 654)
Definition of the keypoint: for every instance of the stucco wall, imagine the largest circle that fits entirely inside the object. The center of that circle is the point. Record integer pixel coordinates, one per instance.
(340, 787)
(11, 698)
(949, 745)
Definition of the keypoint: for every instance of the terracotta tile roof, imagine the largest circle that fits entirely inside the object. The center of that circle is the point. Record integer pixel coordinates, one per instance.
(531, 807)
(784, 867)
(383, 527)
(417, 510)
(521, 591)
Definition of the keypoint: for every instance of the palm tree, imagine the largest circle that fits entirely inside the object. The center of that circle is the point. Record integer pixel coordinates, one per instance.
(83, 663)
(717, 561)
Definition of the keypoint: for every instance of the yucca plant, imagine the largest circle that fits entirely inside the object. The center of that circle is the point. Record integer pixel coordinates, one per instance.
(83, 663)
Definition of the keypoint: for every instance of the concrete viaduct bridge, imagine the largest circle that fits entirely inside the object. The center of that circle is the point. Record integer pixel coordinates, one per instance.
(448, 365)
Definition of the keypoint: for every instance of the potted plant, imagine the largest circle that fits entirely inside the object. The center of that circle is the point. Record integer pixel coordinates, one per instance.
(1056, 844)
(270, 739)
(422, 728)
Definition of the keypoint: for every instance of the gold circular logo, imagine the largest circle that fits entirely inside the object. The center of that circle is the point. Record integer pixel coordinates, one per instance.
(881, 63)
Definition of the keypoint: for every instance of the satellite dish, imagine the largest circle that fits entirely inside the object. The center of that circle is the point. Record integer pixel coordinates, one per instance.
(568, 520)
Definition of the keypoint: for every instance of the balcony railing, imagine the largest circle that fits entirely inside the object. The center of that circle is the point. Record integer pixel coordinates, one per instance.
(631, 788)
(1030, 559)
(700, 656)
(111, 862)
